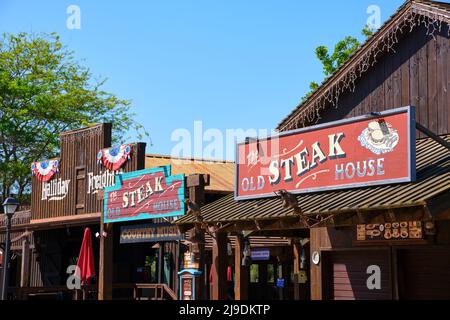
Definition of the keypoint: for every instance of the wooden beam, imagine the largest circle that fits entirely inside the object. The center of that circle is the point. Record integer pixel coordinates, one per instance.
(105, 276)
(432, 135)
(75, 220)
(196, 185)
(296, 249)
(25, 265)
(242, 273)
(219, 268)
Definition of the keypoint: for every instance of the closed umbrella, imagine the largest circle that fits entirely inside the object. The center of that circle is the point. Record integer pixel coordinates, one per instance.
(85, 265)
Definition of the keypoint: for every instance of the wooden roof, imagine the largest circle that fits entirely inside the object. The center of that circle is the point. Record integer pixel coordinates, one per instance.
(221, 172)
(360, 62)
(433, 179)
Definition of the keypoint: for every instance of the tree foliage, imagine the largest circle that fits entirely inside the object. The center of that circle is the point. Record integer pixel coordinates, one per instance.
(343, 50)
(44, 91)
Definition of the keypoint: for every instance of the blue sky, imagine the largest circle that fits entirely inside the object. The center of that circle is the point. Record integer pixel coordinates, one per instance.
(229, 63)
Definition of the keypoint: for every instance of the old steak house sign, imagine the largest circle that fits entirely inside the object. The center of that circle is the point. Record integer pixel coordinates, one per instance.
(369, 150)
(145, 194)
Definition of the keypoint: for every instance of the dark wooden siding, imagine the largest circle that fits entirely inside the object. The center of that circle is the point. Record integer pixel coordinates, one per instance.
(417, 74)
(424, 273)
(78, 157)
(349, 275)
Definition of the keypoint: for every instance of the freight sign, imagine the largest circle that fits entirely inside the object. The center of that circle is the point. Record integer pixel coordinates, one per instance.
(390, 231)
(363, 151)
(145, 194)
(154, 232)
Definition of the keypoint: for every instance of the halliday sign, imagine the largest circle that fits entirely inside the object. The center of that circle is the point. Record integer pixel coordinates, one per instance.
(358, 152)
(145, 194)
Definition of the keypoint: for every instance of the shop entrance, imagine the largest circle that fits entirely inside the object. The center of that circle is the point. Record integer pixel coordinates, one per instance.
(263, 282)
(137, 263)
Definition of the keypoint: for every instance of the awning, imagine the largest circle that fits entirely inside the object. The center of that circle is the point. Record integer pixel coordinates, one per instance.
(433, 179)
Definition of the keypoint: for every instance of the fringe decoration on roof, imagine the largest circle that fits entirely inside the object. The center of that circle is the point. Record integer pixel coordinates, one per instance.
(415, 17)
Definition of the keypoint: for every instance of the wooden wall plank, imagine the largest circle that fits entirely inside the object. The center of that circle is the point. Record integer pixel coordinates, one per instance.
(432, 106)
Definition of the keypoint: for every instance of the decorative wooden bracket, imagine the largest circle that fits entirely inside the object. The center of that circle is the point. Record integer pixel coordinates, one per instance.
(288, 200)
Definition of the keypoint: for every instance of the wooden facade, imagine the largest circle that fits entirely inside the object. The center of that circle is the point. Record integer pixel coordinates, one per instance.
(78, 161)
(417, 74)
(57, 223)
(405, 63)
(408, 270)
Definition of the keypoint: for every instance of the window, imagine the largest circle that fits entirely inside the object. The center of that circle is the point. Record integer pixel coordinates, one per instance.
(270, 273)
(150, 268)
(254, 273)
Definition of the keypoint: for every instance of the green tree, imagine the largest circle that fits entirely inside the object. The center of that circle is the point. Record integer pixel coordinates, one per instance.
(343, 50)
(44, 91)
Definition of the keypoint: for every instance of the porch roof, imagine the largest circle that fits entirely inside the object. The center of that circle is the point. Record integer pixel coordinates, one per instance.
(433, 179)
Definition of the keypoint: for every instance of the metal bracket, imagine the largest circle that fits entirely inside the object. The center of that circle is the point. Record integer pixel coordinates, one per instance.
(432, 135)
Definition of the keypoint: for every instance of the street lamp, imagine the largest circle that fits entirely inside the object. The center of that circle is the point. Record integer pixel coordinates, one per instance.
(9, 207)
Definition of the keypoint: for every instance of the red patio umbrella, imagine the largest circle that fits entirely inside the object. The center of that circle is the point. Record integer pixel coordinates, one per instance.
(86, 266)
(229, 274)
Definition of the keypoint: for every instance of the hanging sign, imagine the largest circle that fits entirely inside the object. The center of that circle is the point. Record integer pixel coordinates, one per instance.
(45, 170)
(154, 232)
(358, 152)
(260, 255)
(144, 194)
(405, 230)
(114, 158)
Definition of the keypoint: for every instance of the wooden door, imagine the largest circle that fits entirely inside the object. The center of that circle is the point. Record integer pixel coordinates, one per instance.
(348, 273)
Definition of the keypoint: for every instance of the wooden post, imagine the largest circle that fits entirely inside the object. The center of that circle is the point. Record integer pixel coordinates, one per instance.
(105, 276)
(161, 262)
(25, 266)
(241, 281)
(296, 251)
(196, 184)
(219, 268)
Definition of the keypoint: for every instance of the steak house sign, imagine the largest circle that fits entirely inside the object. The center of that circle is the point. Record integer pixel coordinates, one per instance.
(145, 194)
(358, 152)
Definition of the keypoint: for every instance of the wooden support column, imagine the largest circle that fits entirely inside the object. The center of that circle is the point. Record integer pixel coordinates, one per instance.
(296, 246)
(219, 269)
(242, 273)
(105, 274)
(25, 265)
(316, 270)
(196, 184)
(161, 262)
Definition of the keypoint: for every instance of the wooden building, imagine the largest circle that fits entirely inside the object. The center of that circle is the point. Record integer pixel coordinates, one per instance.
(46, 239)
(405, 63)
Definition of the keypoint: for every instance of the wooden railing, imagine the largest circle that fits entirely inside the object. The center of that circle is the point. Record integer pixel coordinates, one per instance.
(134, 291)
(18, 219)
(147, 291)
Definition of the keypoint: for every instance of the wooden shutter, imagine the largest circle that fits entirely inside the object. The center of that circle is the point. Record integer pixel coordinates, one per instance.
(81, 190)
(349, 275)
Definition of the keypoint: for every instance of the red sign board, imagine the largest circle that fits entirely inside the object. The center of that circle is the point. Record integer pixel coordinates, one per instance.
(358, 152)
(144, 194)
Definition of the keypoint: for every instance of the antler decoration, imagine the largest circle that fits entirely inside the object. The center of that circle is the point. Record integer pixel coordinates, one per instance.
(289, 201)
